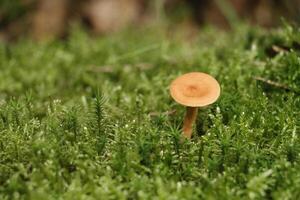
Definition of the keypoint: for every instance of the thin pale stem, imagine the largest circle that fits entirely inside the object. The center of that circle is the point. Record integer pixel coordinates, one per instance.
(189, 119)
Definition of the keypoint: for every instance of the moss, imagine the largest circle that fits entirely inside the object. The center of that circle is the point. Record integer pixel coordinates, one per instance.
(76, 117)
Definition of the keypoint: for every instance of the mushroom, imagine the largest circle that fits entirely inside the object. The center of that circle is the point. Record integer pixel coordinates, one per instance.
(193, 90)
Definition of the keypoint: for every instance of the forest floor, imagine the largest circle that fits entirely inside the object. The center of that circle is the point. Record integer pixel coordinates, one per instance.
(92, 117)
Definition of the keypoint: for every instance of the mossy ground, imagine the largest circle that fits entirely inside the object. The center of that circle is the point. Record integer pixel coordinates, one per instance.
(92, 118)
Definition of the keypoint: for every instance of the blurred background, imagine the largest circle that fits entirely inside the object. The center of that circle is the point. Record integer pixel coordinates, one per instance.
(45, 19)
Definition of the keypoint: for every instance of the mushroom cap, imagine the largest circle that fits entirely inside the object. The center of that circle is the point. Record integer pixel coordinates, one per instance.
(195, 89)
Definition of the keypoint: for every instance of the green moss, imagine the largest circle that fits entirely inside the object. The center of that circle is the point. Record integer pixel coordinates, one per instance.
(86, 118)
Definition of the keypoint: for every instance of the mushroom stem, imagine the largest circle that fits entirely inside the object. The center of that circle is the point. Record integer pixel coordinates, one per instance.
(189, 119)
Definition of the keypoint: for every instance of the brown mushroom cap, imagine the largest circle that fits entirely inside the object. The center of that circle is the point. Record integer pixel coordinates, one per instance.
(195, 89)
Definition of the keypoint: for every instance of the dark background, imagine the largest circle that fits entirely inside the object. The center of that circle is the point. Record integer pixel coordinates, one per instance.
(42, 19)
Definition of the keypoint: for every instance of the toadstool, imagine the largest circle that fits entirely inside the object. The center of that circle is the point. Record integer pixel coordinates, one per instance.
(193, 90)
